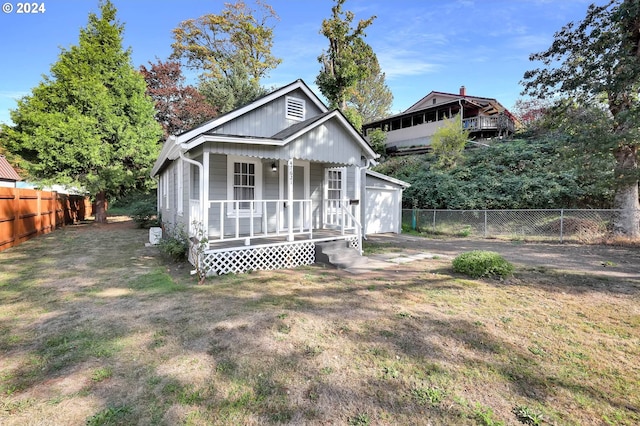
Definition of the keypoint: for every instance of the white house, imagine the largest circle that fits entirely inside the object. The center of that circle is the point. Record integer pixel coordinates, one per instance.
(272, 179)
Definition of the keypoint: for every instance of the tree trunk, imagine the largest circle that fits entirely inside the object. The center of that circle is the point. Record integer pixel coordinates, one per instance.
(100, 212)
(626, 221)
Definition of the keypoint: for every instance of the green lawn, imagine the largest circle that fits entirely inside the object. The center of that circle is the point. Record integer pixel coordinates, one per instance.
(97, 329)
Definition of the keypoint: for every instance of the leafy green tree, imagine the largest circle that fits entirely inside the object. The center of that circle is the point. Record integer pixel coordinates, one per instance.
(370, 96)
(377, 140)
(231, 92)
(344, 63)
(448, 142)
(89, 124)
(220, 45)
(597, 62)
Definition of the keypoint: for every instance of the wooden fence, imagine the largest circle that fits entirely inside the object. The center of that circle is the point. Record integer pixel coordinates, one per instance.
(27, 213)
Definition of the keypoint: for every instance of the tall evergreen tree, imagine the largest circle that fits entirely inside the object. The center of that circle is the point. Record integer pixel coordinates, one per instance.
(90, 122)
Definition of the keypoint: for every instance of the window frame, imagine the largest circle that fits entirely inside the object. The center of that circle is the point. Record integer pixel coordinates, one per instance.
(257, 187)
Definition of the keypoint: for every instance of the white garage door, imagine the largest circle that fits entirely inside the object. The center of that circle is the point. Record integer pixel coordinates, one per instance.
(381, 210)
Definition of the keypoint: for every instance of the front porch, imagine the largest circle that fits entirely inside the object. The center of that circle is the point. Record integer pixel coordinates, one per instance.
(270, 253)
(256, 236)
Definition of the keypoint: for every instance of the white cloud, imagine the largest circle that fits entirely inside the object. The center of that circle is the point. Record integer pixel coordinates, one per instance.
(13, 95)
(399, 63)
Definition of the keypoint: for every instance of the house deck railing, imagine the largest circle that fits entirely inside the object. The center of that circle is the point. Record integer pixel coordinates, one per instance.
(341, 214)
(230, 220)
(259, 218)
(478, 123)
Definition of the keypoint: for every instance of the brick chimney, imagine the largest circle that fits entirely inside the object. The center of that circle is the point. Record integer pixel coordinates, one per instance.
(463, 91)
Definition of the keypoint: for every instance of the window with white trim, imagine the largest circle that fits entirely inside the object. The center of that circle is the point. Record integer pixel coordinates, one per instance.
(165, 189)
(244, 183)
(334, 184)
(195, 182)
(180, 188)
(295, 108)
(244, 178)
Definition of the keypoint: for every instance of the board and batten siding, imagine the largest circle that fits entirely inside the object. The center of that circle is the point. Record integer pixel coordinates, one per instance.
(316, 187)
(168, 190)
(267, 120)
(327, 143)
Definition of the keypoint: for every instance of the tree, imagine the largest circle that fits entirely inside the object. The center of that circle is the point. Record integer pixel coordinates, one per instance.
(90, 123)
(377, 140)
(530, 111)
(178, 107)
(448, 142)
(344, 64)
(370, 96)
(221, 44)
(231, 92)
(597, 62)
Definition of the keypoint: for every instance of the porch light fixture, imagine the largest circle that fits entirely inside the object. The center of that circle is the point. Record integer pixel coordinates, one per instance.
(274, 168)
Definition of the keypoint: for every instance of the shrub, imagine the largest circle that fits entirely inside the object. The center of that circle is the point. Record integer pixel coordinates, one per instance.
(480, 263)
(143, 212)
(175, 244)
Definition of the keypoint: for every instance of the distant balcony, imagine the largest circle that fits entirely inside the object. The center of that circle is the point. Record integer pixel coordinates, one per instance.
(476, 124)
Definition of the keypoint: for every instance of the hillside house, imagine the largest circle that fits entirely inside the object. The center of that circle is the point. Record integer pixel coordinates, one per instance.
(485, 118)
(269, 181)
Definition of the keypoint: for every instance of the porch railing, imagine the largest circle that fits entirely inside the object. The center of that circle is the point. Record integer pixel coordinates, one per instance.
(341, 214)
(486, 123)
(259, 218)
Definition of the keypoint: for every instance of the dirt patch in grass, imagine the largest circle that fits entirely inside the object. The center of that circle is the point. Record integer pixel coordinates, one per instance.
(96, 328)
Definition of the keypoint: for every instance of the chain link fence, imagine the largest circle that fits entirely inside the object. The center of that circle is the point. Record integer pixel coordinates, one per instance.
(564, 225)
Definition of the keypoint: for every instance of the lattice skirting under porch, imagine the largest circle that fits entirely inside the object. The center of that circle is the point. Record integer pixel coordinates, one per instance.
(260, 258)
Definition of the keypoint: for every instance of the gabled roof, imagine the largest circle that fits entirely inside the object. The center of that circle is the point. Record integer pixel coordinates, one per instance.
(207, 132)
(450, 97)
(218, 121)
(388, 178)
(488, 106)
(7, 172)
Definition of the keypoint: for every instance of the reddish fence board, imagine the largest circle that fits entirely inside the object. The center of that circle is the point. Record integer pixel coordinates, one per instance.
(27, 213)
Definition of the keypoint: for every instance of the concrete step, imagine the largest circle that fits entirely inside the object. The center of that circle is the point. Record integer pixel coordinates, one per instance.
(338, 254)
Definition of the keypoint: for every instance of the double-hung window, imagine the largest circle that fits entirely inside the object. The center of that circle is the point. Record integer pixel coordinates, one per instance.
(244, 179)
(244, 183)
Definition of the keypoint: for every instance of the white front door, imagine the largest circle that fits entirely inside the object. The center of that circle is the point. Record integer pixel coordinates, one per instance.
(334, 193)
(300, 192)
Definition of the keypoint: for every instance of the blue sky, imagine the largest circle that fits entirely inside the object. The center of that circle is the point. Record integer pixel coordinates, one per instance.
(422, 45)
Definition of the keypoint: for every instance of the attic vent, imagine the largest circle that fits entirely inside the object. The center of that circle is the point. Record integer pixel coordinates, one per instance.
(295, 108)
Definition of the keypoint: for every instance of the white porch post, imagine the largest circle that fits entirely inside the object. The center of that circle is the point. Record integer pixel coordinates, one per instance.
(205, 194)
(290, 199)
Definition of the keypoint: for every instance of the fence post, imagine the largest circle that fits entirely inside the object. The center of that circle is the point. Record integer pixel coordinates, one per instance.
(485, 224)
(434, 221)
(561, 225)
(414, 219)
